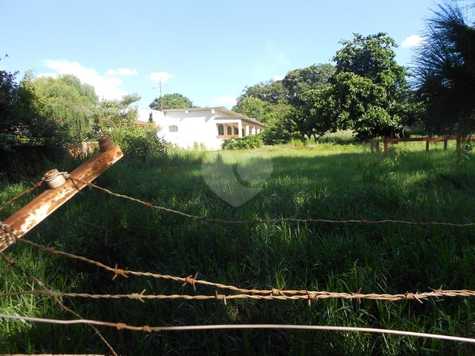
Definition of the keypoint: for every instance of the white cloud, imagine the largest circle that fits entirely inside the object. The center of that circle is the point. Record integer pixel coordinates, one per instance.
(412, 41)
(226, 101)
(160, 76)
(122, 72)
(106, 87)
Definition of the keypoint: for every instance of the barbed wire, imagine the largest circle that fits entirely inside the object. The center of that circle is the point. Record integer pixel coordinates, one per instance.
(276, 220)
(24, 192)
(243, 294)
(149, 329)
(310, 296)
(250, 294)
(47, 290)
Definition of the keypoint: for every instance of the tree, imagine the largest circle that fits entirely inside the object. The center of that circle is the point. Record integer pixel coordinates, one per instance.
(281, 126)
(366, 91)
(70, 104)
(298, 81)
(252, 107)
(365, 107)
(370, 91)
(445, 73)
(171, 101)
(372, 57)
(271, 92)
(20, 120)
(316, 113)
(116, 113)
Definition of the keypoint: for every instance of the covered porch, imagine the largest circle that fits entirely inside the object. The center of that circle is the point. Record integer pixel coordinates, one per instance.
(228, 129)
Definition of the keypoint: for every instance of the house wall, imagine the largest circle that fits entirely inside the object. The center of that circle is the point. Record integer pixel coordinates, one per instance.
(198, 129)
(195, 129)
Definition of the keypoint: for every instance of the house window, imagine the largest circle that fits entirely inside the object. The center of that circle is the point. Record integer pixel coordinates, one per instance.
(229, 131)
(173, 128)
(236, 131)
(220, 130)
(243, 132)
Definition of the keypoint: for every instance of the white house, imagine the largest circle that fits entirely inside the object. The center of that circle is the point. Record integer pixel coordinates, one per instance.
(204, 128)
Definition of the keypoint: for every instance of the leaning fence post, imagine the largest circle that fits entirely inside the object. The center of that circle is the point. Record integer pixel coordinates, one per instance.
(62, 188)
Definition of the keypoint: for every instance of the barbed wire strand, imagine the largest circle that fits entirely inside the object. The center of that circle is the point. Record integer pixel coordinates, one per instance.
(189, 280)
(21, 194)
(276, 220)
(149, 329)
(256, 294)
(310, 297)
(47, 290)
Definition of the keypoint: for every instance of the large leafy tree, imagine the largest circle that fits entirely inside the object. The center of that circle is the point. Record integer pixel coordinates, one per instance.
(70, 104)
(171, 101)
(298, 81)
(446, 72)
(280, 103)
(315, 113)
(372, 57)
(371, 89)
(116, 113)
(253, 107)
(20, 119)
(367, 93)
(271, 92)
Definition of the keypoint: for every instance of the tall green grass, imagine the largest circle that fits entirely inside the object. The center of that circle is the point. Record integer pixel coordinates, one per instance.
(322, 180)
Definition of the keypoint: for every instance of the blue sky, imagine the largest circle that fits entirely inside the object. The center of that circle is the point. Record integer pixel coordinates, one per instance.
(209, 50)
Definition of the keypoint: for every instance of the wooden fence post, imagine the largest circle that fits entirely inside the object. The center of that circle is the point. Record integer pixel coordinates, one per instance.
(459, 144)
(386, 144)
(427, 144)
(51, 199)
(446, 141)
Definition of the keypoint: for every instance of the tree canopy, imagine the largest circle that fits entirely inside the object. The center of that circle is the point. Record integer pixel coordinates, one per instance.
(69, 103)
(252, 107)
(298, 81)
(52, 111)
(272, 92)
(171, 101)
(20, 117)
(446, 72)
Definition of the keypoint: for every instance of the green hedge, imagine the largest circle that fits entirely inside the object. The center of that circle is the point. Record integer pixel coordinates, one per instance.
(139, 143)
(244, 143)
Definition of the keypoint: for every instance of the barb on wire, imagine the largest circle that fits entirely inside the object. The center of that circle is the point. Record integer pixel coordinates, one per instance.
(149, 329)
(48, 291)
(19, 195)
(277, 220)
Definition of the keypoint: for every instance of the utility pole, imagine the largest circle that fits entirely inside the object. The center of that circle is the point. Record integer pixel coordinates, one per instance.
(160, 93)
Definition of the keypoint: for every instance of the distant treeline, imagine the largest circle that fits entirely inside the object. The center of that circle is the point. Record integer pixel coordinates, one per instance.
(365, 90)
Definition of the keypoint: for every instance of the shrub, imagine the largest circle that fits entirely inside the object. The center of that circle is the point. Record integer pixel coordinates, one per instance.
(338, 138)
(139, 143)
(244, 143)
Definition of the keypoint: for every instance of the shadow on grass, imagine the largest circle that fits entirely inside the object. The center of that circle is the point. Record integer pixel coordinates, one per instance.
(389, 258)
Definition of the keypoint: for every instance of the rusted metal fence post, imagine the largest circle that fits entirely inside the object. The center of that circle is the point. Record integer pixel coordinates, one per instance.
(62, 189)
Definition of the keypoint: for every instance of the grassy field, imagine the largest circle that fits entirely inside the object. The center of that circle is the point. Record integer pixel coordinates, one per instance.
(325, 181)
